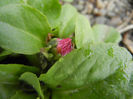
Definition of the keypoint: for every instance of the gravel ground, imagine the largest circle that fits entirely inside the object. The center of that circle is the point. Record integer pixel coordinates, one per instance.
(110, 12)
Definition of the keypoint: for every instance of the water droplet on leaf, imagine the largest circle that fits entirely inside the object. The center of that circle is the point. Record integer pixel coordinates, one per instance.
(87, 52)
(111, 52)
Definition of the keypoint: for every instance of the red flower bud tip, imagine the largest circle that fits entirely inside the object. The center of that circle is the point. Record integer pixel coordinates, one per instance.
(64, 46)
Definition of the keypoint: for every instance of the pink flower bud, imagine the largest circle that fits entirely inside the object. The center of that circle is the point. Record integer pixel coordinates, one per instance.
(64, 46)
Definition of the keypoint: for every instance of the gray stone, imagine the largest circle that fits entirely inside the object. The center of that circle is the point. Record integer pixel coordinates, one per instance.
(100, 20)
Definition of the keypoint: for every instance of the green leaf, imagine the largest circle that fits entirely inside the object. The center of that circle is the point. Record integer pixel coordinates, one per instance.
(104, 33)
(32, 79)
(19, 41)
(4, 54)
(7, 90)
(23, 29)
(9, 73)
(86, 72)
(113, 87)
(83, 31)
(50, 8)
(22, 95)
(6, 2)
(99, 33)
(67, 21)
(131, 86)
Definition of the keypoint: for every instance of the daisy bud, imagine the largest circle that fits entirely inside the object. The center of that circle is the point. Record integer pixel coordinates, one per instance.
(64, 46)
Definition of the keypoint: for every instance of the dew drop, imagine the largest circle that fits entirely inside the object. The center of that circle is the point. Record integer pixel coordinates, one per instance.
(111, 52)
(87, 52)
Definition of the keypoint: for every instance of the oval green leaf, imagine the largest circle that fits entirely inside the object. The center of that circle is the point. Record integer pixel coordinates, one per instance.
(104, 33)
(115, 86)
(98, 33)
(86, 67)
(67, 21)
(83, 31)
(23, 29)
(50, 8)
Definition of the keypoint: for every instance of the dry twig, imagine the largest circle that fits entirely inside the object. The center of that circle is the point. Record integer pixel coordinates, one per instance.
(129, 27)
(126, 21)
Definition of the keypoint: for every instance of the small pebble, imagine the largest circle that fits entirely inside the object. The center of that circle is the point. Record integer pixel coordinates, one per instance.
(90, 8)
(81, 2)
(100, 20)
(105, 4)
(103, 12)
(110, 6)
(110, 14)
(79, 7)
(131, 21)
(85, 11)
(115, 21)
(96, 12)
(91, 1)
(99, 4)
